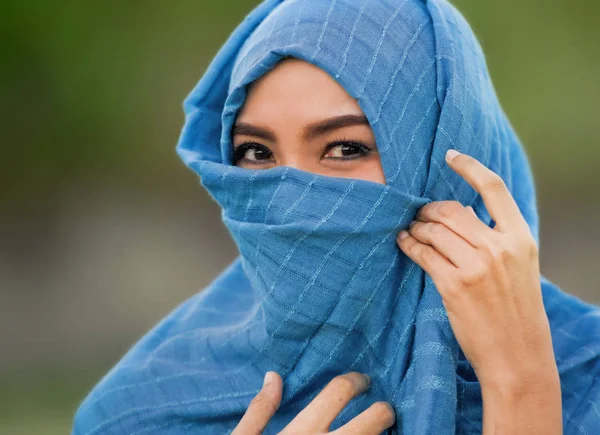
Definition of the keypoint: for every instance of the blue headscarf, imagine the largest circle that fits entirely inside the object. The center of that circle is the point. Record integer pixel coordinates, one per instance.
(320, 287)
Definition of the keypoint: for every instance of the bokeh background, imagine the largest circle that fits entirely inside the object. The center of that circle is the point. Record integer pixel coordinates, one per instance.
(103, 230)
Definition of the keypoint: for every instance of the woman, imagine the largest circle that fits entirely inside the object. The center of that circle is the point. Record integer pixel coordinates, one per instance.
(330, 132)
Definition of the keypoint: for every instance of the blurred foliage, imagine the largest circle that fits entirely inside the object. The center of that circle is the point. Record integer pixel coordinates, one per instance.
(94, 89)
(42, 402)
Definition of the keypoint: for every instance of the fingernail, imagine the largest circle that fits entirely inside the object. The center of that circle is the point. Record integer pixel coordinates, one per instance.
(451, 155)
(368, 379)
(268, 378)
(412, 224)
(403, 235)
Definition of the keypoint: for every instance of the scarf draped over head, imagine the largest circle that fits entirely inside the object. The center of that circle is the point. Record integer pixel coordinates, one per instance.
(320, 287)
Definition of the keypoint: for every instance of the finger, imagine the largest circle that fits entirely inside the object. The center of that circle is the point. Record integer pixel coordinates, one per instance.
(372, 421)
(498, 200)
(262, 407)
(445, 241)
(461, 220)
(427, 257)
(324, 408)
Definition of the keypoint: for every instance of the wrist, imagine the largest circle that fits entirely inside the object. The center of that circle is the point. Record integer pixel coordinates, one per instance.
(514, 387)
(522, 402)
(518, 382)
(522, 371)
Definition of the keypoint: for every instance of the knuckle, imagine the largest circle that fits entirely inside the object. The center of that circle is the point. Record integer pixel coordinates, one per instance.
(424, 230)
(451, 291)
(436, 228)
(476, 274)
(416, 227)
(494, 254)
(529, 246)
(417, 250)
(522, 248)
(450, 209)
(493, 183)
(533, 250)
(427, 255)
(495, 250)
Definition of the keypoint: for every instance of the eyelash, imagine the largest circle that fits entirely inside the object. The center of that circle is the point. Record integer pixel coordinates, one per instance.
(362, 150)
(240, 151)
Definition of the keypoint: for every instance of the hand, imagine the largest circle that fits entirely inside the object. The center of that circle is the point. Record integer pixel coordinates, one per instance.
(489, 281)
(320, 413)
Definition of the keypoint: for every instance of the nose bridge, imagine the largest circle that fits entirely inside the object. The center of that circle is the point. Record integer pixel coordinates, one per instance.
(297, 163)
(293, 151)
(289, 158)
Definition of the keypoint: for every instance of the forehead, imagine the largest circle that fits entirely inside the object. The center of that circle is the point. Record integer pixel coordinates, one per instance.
(298, 86)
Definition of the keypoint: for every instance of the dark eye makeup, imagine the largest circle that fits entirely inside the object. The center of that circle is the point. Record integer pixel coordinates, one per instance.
(342, 149)
(346, 149)
(252, 153)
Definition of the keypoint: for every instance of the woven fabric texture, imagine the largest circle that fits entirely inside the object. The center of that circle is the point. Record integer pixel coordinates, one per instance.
(320, 287)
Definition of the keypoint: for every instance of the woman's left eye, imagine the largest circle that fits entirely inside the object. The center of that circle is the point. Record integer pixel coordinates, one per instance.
(346, 150)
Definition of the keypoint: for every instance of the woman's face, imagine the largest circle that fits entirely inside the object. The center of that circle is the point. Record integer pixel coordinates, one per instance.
(297, 115)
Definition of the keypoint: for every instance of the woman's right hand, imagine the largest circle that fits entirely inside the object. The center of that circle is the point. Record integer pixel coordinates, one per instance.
(320, 413)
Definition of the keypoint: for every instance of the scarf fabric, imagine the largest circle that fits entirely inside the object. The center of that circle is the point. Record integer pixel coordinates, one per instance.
(320, 287)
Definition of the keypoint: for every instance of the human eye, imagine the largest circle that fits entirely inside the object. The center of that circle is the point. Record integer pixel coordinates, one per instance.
(251, 153)
(346, 150)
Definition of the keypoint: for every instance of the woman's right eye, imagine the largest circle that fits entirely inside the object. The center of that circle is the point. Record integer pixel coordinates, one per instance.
(252, 153)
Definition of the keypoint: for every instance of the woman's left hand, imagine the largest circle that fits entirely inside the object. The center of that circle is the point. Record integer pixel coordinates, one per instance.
(489, 281)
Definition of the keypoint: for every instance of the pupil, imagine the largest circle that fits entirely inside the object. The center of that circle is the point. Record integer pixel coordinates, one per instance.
(348, 150)
(261, 154)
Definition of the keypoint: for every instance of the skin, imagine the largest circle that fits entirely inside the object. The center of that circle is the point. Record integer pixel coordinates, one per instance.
(320, 413)
(292, 113)
(488, 278)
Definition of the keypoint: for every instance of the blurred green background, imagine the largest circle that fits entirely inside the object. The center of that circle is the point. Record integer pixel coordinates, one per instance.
(103, 230)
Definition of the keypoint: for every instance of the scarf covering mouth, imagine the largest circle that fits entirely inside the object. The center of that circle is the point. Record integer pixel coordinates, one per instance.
(320, 287)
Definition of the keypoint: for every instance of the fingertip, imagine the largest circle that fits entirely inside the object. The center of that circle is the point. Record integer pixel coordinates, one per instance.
(272, 384)
(361, 381)
(391, 409)
(451, 154)
(272, 381)
(269, 377)
(402, 235)
(386, 412)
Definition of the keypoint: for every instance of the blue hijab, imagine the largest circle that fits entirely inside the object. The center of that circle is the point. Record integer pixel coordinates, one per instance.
(320, 287)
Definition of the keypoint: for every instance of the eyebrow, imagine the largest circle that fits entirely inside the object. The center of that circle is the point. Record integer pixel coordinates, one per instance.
(310, 131)
(252, 130)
